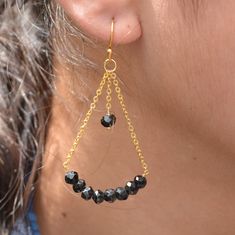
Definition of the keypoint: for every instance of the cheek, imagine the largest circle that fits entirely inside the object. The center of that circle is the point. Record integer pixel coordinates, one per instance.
(194, 69)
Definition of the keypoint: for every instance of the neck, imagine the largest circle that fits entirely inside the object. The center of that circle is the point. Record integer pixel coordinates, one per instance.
(106, 158)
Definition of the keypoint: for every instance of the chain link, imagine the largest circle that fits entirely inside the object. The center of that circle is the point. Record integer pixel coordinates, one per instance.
(131, 129)
(108, 75)
(108, 97)
(85, 122)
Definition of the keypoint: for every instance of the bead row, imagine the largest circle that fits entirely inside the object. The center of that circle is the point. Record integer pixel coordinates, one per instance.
(109, 195)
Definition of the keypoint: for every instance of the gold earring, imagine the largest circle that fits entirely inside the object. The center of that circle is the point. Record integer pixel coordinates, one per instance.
(108, 120)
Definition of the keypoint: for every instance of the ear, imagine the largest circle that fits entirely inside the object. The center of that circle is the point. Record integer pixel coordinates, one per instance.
(94, 17)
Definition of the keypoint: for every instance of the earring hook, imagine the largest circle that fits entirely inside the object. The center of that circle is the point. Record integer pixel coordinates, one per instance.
(109, 50)
(111, 33)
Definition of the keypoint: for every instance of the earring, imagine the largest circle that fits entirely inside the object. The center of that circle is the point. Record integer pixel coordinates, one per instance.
(108, 120)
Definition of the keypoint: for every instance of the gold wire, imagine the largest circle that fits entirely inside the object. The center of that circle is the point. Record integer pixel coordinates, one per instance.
(109, 74)
(109, 50)
(111, 34)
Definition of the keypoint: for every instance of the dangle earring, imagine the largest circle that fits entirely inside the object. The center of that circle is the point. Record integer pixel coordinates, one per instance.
(108, 120)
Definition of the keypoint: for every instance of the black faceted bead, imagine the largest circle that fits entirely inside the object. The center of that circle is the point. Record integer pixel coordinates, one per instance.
(140, 181)
(108, 120)
(131, 187)
(98, 196)
(121, 193)
(87, 193)
(109, 195)
(79, 186)
(71, 177)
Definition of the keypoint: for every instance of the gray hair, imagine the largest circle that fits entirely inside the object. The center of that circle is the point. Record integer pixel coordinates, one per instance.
(26, 89)
(25, 96)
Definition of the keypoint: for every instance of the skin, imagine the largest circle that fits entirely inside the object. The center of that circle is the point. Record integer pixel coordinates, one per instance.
(179, 86)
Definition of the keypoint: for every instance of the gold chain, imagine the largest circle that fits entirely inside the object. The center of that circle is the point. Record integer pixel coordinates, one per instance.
(109, 67)
(108, 97)
(131, 129)
(107, 77)
(85, 122)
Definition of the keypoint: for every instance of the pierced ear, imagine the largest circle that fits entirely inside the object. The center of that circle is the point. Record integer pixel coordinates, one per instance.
(94, 17)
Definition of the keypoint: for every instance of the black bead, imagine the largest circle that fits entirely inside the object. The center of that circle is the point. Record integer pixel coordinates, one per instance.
(140, 181)
(121, 193)
(71, 177)
(109, 195)
(87, 193)
(131, 187)
(98, 196)
(108, 120)
(79, 186)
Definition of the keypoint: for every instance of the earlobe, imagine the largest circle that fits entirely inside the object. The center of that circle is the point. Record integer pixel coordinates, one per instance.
(94, 18)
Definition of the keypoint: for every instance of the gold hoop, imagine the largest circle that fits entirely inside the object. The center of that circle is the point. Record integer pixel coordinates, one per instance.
(110, 65)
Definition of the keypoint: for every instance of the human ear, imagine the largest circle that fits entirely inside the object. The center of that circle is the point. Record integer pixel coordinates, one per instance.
(94, 18)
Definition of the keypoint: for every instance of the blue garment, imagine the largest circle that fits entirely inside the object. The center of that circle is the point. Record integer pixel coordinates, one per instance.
(28, 225)
(32, 221)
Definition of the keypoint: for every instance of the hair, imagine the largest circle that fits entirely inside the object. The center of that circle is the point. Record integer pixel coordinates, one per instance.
(27, 29)
(25, 97)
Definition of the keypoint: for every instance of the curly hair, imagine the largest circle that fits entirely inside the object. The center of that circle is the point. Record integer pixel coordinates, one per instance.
(25, 91)
(28, 44)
